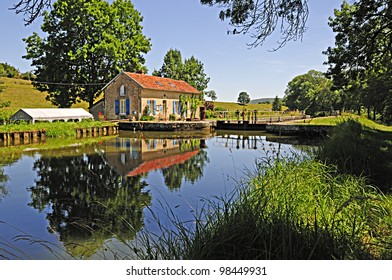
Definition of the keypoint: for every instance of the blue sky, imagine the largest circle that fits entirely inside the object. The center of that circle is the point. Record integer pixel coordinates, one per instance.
(196, 30)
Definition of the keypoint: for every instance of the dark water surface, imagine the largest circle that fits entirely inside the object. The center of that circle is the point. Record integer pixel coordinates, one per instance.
(90, 200)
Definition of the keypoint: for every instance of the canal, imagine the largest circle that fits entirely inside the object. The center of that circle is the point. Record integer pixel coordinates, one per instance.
(93, 201)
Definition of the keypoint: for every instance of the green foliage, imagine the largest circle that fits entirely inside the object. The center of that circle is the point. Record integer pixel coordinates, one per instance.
(194, 105)
(220, 109)
(172, 65)
(87, 43)
(5, 104)
(147, 118)
(172, 117)
(263, 18)
(184, 105)
(311, 92)
(291, 208)
(190, 71)
(146, 111)
(356, 149)
(8, 71)
(359, 63)
(243, 98)
(211, 94)
(277, 104)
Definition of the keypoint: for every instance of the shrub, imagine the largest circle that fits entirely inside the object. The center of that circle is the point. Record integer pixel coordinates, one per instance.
(358, 150)
(147, 118)
(172, 117)
(220, 109)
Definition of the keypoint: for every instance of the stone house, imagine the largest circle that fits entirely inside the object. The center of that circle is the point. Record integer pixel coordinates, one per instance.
(132, 95)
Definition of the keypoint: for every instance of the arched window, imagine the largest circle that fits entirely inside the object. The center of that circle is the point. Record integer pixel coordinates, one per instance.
(122, 90)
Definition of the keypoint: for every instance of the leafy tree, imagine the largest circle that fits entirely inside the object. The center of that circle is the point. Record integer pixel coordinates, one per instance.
(2, 71)
(194, 104)
(359, 63)
(172, 65)
(262, 18)
(211, 94)
(243, 98)
(277, 104)
(194, 75)
(190, 171)
(88, 43)
(311, 92)
(9, 71)
(190, 71)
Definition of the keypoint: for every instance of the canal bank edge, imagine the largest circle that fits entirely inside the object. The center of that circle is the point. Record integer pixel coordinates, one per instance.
(298, 129)
(164, 126)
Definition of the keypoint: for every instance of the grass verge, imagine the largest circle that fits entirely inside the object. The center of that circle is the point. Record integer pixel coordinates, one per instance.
(293, 208)
(54, 129)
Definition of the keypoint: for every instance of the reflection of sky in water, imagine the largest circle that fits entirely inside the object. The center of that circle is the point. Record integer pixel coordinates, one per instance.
(229, 160)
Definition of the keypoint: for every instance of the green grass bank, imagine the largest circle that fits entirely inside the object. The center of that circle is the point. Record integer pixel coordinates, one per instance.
(54, 129)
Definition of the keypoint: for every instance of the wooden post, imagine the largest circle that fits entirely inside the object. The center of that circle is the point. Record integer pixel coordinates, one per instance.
(16, 138)
(34, 136)
(26, 137)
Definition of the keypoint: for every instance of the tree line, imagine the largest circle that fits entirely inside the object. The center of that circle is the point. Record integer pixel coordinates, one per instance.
(359, 65)
(9, 71)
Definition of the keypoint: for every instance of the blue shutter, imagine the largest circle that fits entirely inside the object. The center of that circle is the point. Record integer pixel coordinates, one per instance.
(128, 107)
(117, 106)
(179, 108)
(174, 107)
(154, 102)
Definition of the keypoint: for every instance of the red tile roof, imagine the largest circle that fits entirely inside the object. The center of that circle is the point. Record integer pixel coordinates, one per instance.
(162, 163)
(160, 83)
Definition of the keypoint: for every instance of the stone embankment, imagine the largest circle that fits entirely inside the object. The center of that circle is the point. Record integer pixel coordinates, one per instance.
(293, 129)
(164, 126)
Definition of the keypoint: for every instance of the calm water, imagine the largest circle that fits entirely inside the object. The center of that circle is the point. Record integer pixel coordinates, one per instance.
(88, 201)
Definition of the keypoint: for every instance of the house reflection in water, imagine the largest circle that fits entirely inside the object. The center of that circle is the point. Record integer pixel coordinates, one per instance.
(136, 156)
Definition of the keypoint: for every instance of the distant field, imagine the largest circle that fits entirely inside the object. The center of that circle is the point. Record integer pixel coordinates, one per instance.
(22, 94)
(232, 106)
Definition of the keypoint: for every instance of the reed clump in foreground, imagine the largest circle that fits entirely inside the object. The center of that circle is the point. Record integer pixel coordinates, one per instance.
(292, 208)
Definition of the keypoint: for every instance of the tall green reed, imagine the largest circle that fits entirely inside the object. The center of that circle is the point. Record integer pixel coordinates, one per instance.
(292, 208)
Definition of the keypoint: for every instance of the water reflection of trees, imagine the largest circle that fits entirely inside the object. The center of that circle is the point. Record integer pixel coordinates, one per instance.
(5, 160)
(190, 171)
(3, 180)
(89, 201)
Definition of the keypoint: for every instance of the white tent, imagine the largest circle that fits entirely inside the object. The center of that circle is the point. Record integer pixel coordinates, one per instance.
(51, 114)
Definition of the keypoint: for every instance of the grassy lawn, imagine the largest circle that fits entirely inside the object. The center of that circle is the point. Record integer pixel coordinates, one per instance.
(22, 94)
(361, 119)
(233, 106)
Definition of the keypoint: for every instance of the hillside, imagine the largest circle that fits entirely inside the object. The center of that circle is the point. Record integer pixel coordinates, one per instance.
(232, 106)
(261, 100)
(22, 94)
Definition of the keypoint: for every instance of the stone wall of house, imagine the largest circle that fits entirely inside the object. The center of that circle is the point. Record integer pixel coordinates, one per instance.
(160, 97)
(139, 98)
(112, 93)
(98, 110)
